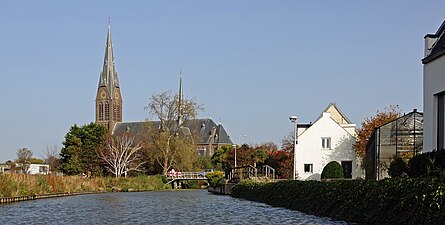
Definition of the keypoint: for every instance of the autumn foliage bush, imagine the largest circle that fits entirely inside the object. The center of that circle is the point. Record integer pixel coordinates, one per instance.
(389, 201)
(370, 123)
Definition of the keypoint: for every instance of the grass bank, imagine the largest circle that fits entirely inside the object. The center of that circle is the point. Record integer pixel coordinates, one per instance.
(12, 185)
(392, 201)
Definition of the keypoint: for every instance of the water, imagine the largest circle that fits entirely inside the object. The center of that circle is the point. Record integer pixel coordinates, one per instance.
(161, 207)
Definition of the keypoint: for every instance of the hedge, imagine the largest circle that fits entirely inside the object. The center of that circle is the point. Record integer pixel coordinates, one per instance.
(390, 201)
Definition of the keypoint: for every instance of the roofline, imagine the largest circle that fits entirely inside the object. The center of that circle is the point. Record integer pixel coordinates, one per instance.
(430, 58)
(439, 33)
(338, 109)
(412, 112)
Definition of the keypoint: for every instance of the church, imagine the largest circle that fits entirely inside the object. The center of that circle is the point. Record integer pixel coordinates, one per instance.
(109, 110)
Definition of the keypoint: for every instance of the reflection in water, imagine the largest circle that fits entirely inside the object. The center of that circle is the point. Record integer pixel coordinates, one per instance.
(163, 207)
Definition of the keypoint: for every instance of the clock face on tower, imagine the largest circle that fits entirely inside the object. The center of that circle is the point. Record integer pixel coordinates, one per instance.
(116, 95)
(103, 94)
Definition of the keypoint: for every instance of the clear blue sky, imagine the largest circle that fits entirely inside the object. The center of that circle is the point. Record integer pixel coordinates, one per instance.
(251, 63)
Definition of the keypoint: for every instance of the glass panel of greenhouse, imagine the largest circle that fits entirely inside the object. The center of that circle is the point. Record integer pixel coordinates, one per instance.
(401, 137)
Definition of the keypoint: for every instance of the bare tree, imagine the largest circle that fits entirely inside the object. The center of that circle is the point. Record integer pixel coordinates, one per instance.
(52, 157)
(287, 144)
(122, 155)
(24, 156)
(171, 143)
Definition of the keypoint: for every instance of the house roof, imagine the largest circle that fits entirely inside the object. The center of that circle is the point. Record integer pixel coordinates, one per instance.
(201, 127)
(438, 48)
(330, 108)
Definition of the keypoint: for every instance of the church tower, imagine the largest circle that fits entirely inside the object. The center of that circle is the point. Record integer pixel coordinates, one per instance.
(108, 98)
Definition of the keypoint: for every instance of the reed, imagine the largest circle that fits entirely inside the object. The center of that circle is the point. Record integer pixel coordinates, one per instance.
(12, 185)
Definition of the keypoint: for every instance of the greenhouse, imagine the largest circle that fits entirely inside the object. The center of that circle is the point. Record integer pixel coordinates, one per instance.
(402, 137)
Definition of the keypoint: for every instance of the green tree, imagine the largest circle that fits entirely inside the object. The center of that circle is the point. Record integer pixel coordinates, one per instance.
(219, 158)
(79, 152)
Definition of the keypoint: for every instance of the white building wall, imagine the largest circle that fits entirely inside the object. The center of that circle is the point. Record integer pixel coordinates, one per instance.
(309, 148)
(433, 83)
(41, 169)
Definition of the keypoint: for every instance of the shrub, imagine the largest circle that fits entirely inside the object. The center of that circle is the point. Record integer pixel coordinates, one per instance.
(332, 170)
(431, 164)
(216, 179)
(397, 167)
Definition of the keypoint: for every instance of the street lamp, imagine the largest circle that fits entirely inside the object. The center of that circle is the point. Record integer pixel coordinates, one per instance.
(293, 119)
(235, 145)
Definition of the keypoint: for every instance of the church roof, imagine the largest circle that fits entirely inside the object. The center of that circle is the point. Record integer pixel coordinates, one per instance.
(108, 76)
(438, 48)
(201, 127)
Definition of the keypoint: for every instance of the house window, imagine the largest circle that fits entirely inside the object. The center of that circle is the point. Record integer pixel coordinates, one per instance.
(202, 151)
(440, 121)
(308, 168)
(326, 143)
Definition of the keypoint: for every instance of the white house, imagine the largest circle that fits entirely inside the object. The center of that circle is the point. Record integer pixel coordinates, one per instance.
(434, 90)
(329, 138)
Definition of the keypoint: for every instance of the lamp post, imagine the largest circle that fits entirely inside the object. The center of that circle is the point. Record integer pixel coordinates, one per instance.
(293, 119)
(235, 145)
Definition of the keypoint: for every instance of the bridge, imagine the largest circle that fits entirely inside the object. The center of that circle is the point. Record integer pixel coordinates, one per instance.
(173, 176)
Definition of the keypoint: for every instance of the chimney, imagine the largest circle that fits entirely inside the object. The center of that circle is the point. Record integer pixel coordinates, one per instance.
(430, 39)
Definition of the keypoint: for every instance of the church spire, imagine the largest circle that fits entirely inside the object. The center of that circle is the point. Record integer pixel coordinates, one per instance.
(108, 76)
(108, 98)
(180, 96)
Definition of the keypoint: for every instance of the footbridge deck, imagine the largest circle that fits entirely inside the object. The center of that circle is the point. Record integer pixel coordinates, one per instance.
(178, 176)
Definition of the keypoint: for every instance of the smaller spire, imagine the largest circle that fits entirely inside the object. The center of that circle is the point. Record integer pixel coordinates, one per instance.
(180, 99)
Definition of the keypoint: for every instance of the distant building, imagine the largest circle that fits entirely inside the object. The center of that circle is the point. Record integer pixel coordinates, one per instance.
(38, 169)
(329, 138)
(434, 90)
(4, 168)
(401, 137)
(210, 136)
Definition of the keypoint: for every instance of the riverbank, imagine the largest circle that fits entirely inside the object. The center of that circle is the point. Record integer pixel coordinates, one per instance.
(22, 185)
(391, 201)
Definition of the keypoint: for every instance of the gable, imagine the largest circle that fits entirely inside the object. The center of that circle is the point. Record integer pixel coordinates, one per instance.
(324, 127)
(337, 115)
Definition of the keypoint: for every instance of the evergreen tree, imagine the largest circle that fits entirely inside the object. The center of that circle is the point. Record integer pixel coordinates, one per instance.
(79, 152)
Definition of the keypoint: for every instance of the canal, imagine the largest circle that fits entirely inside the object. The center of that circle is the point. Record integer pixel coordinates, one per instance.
(157, 207)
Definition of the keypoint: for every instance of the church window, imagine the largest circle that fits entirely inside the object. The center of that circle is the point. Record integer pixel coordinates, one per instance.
(119, 116)
(114, 111)
(101, 111)
(107, 111)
